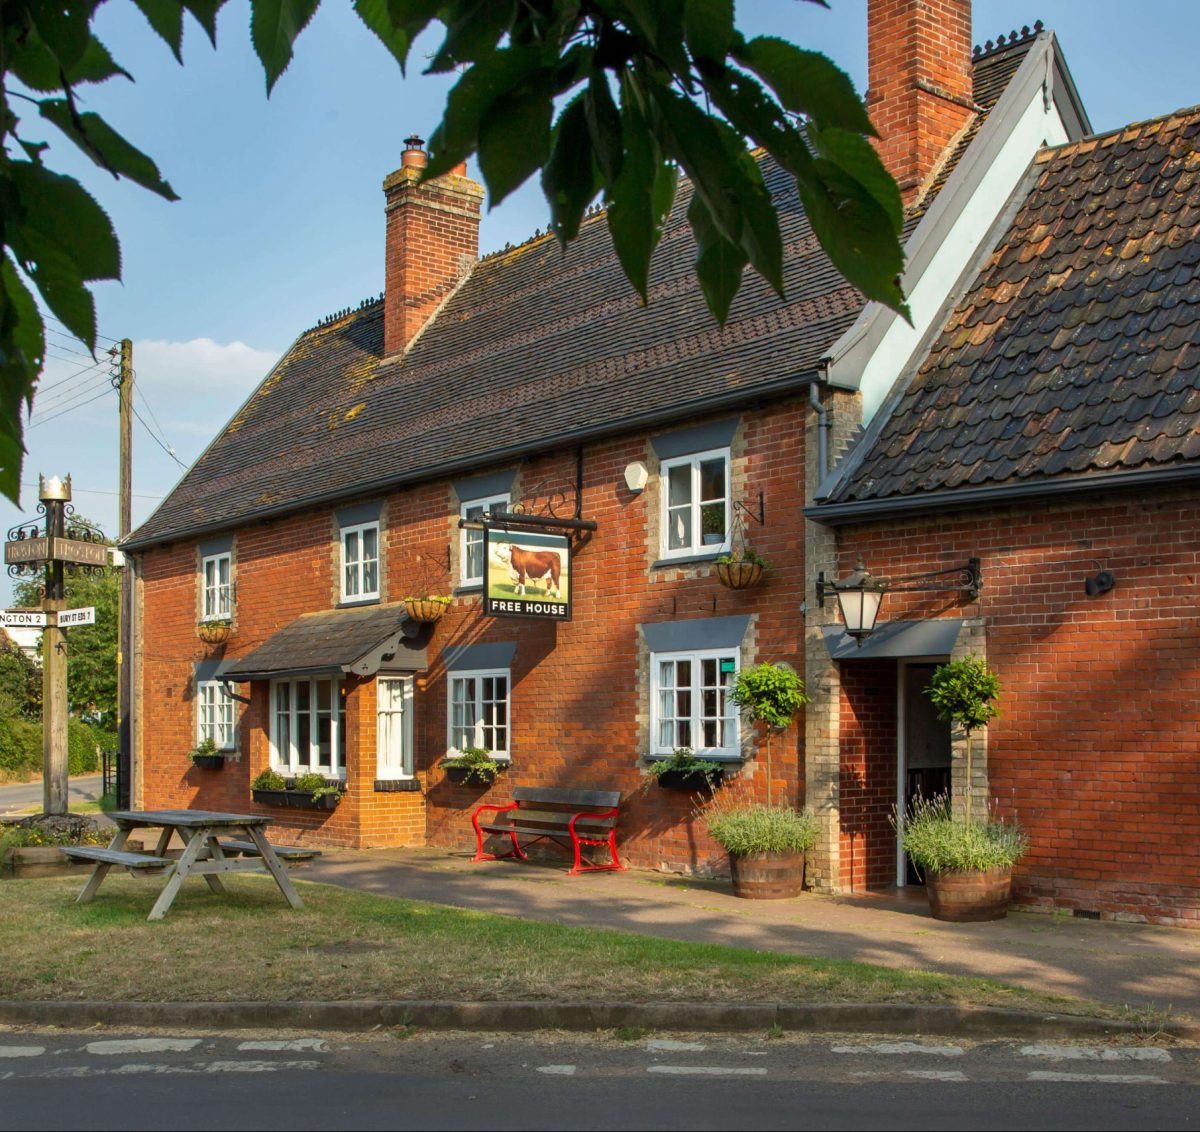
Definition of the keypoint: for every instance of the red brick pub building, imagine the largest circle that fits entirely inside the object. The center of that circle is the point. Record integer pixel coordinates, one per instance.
(1039, 415)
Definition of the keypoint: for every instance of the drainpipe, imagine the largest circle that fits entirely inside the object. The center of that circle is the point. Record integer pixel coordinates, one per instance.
(814, 399)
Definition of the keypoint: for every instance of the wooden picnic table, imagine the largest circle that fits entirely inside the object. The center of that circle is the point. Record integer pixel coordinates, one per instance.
(206, 836)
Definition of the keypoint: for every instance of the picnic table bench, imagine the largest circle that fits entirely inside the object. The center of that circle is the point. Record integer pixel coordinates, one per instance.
(206, 836)
(585, 817)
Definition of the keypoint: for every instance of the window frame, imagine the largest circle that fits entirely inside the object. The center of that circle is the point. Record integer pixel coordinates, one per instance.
(360, 529)
(387, 771)
(486, 504)
(207, 614)
(477, 676)
(694, 460)
(207, 723)
(729, 753)
(337, 736)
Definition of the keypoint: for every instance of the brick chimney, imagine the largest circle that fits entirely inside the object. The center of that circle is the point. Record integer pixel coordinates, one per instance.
(432, 241)
(920, 90)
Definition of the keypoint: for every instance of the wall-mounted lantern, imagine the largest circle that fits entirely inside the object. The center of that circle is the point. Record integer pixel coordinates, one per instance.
(860, 594)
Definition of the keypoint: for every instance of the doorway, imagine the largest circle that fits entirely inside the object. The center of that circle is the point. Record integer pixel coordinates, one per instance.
(924, 762)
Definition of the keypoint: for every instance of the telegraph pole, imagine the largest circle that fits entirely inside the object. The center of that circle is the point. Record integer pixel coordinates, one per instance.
(125, 620)
(54, 494)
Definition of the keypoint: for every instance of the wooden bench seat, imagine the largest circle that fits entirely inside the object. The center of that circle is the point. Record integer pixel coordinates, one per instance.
(121, 857)
(283, 852)
(570, 818)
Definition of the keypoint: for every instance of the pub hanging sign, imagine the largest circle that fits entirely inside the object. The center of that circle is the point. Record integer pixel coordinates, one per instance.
(528, 575)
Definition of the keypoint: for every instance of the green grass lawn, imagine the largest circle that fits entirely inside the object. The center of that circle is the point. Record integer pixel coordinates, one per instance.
(347, 945)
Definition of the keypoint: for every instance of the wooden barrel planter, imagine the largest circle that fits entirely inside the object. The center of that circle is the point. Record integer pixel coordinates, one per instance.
(767, 876)
(738, 575)
(969, 897)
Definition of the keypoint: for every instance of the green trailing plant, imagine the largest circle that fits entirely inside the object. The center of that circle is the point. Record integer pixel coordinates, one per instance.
(269, 780)
(683, 761)
(316, 784)
(771, 694)
(939, 842)
(756, 828)
(962, 692)
(439, 598)
(476, 762)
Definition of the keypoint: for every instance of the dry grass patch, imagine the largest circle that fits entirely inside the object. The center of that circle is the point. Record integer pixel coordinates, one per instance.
(347, 945)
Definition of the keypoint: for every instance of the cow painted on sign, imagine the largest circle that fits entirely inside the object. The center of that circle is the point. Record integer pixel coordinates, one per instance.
(536, 564)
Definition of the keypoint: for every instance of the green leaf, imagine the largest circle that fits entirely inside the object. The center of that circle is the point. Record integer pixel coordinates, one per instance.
(708, 28)
(514, 138)
(166, 18)
(473, 31)
(719, 263)
(60, 284)
(658, 23)
(856, 157)
(105, 146)
(856, 233)
(396, 34)
(55, 211)
(36, 66)
(634, 199)
(472, 99)
(570, 179)
(65, 28)
(274, 26)
(204, 12)
(807, 83)
(24, 341)
(604, 125)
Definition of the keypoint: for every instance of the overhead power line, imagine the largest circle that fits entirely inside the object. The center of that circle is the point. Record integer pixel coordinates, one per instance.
(70, 409)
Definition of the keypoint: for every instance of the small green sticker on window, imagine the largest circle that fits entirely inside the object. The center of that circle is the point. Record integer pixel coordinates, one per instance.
(728, 666)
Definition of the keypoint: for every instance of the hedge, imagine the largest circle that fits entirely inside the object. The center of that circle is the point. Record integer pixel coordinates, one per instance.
(21, 746)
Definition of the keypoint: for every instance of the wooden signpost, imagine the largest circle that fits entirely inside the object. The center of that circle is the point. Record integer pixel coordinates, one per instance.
(25, 552)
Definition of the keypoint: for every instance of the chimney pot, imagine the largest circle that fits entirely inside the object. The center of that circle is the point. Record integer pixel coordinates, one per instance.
(414, 156)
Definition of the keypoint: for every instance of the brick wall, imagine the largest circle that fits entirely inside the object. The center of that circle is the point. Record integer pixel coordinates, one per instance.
(580, 695)
(868, 774)
(1095, 750)
(920, 82)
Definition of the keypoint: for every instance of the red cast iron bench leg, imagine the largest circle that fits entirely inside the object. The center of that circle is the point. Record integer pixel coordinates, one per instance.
(480, 855)
(611, 841)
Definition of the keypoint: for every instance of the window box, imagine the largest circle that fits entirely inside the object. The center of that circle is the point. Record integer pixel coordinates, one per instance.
(214, 632)
(295, 799)
(208, 762)
(694, 781)
(470, 776)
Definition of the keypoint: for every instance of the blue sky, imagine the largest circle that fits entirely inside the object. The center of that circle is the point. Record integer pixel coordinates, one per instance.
(281, 220)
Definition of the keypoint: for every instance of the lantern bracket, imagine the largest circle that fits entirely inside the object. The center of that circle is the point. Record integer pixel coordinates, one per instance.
(968, 579)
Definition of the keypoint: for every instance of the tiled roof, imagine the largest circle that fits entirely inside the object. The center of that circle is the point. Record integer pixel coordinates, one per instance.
(1077, 349)
(536, 349)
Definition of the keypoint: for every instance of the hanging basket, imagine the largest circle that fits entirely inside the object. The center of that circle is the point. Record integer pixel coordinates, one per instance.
(425, 609)
(214, 632)
(738, 575)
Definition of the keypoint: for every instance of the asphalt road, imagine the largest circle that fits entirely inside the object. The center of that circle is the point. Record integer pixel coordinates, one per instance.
(25, 796)
(103, 1079)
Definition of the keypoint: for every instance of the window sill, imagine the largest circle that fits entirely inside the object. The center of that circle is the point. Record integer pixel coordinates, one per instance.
(397, 786)
(350, 603)
(688, 560)
(724, 760)
(473, 588)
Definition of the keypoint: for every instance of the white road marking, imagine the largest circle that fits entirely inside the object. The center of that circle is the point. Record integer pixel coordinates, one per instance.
(705, 1071)
(142, 1045)
(137, 1069)
(936, 1074)
(22, 1051)
(902, 1048)
(1100, 1078)
(665, 1045)
(1096, 1053)
(557, 1070)
(317, 1045)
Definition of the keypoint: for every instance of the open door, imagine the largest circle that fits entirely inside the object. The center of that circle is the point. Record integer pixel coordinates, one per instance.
(924, 766)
